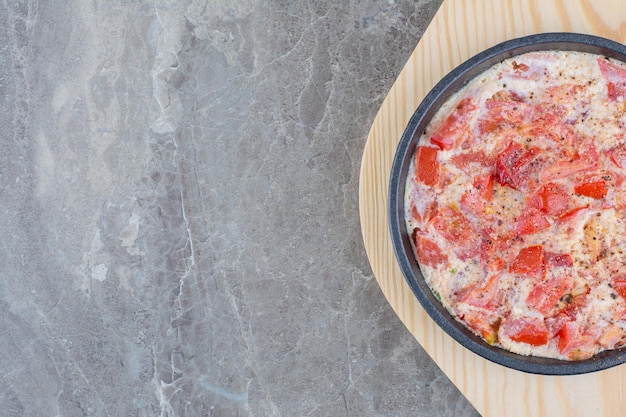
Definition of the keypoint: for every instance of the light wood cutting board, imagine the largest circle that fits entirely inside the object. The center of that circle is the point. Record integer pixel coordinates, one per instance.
(459, 30)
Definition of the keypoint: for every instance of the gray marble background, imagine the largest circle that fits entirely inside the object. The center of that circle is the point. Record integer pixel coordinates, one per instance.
(179, 211)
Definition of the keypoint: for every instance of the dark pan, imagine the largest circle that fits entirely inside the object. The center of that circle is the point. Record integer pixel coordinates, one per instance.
(401, 240)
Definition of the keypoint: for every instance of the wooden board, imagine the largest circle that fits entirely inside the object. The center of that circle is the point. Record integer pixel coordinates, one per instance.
(459, 30)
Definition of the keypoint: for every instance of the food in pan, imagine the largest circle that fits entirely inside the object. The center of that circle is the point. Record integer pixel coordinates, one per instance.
(516, 204)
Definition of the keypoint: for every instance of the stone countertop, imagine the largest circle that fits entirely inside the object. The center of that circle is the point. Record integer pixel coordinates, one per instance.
(180, 228)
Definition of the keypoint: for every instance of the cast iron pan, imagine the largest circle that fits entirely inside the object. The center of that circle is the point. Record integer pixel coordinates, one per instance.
(401, 240)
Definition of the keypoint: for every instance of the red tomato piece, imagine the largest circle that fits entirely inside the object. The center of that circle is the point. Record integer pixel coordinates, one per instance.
(554, 199)
(520, 67)
(505, 161)
(457, 229)
(465, 159)
(503, 113)
(487, 295)
(559, 96)
(428, 253)
(565, 168)
(569, 335)
(529, 261)
(531, 221)
(545, 295)
(495, 253)
(587, 152)
(473, 201)
(596, 189)
(483, 322)
(574, 345)
(484, 185)
(619, 285)
(572, 213)
(530, 330)
(511, 164)
(525, 159)
(495, 265)
(454, 129)
(556, 260)
(612, 91)
(414, 213)
(617, 155)
(576, 304)
(548, 125)
(555, 323)
(426, 165)
(616, 78)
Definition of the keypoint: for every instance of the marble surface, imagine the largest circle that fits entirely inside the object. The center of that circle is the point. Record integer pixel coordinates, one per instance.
(180, 232)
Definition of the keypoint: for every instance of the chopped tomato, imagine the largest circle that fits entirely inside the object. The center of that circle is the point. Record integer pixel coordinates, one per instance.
(545, 295)
(428, 212)
(454, 129)
(457, 229)
(596, 189)
(619, 285)
(617, 155)
(587, 151)
(585, 349)
(426, 165)
(530, 330)
(424, 213)
(585, 159)
(446, 178)
(505, 161)
(556, 260)
(617, 177)
(464, 160)
(519, 67)
(484, 185)
(562, 93)
(495, 265)
(616, 78)
(565, 168)
(428, 253)
(474, 200)
(495, 253)
(483, 322)
(550, 126)
(415, 215)
(531, 221)
(574, 345)
(572, 213)
(555, 323)
(569, 335)
(529, 261)
(575, 304)
(525, 159)
(486, 295)
(472, 203)
(511, 164)
(502, 113)
(554, 199)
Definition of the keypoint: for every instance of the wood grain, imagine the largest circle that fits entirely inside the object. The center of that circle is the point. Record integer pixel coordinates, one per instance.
(459, 30)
